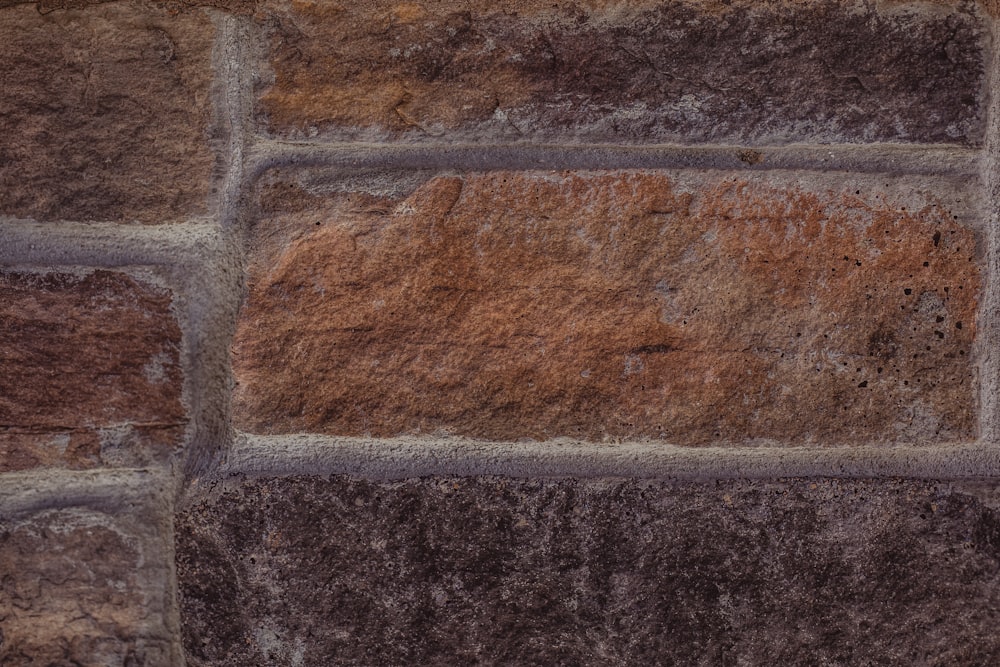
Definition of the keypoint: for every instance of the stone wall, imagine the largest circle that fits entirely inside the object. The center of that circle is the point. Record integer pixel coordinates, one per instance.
(505, 333)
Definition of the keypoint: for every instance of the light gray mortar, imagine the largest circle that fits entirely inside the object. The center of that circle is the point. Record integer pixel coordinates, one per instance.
(870, 158)
(989, 337)
(398, 458)
(212, 328)
(231, 61)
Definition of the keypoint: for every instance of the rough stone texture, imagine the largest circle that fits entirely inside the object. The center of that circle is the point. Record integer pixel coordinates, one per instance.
(46, 6)
(294, 571)
(696, 308)
(690, 70)
(105, 113)
(89, 371)
(80, 587)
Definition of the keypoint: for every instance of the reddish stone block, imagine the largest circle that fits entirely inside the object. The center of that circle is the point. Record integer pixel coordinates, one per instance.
(89, 371)
(105, 113)
(695, 309)
(838, 70)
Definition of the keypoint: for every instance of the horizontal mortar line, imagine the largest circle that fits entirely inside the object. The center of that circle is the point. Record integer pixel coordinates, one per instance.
(45, 488)
(865, 158)
(399, 458)
(107, 244)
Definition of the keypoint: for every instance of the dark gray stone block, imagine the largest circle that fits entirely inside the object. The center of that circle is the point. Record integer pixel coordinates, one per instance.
(317, 571)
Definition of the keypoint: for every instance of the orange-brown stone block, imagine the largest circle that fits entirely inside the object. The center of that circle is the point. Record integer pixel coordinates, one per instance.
(89, 371)
(105, 113)
(642, 71)
(693, 309)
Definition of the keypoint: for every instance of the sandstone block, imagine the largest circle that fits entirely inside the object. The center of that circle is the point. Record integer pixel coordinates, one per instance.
(105, 113)
(84, 586)
(289, 571)
(89, 371)
(681, 71)
(692, 308)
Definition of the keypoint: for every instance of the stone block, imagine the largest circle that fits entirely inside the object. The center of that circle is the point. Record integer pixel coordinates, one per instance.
(446, 571)
(106, 113)
(695, 308)
(680, 71)
(85, 582)
(90, 371)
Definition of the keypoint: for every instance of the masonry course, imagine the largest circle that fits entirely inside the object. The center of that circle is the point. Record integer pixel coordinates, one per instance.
(296, 401)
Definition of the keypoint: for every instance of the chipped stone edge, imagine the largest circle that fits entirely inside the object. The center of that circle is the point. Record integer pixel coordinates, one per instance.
(140, 501)
(400, 458)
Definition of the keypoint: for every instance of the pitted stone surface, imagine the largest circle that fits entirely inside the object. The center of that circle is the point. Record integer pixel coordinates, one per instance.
(687, 71)
(694, 308)
(105, 112)
(289, 571)
(90, 371)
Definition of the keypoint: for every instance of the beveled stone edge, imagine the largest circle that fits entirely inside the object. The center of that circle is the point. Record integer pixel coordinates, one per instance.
(406, 457)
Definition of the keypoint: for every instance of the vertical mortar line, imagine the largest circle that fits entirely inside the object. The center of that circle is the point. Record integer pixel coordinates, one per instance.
(236, 80)
(211, 279)
(216, 286)
(988, 337)
(172, 613)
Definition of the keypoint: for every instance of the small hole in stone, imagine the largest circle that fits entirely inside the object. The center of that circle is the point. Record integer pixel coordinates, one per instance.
(907, 291)
(958, 325)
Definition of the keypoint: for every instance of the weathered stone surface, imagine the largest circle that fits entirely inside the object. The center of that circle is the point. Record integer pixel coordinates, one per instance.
(308, 571)
(89, 371)
(694, 308)
(105, 113)
(688, 70)
(46, 6)
(80, 587)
